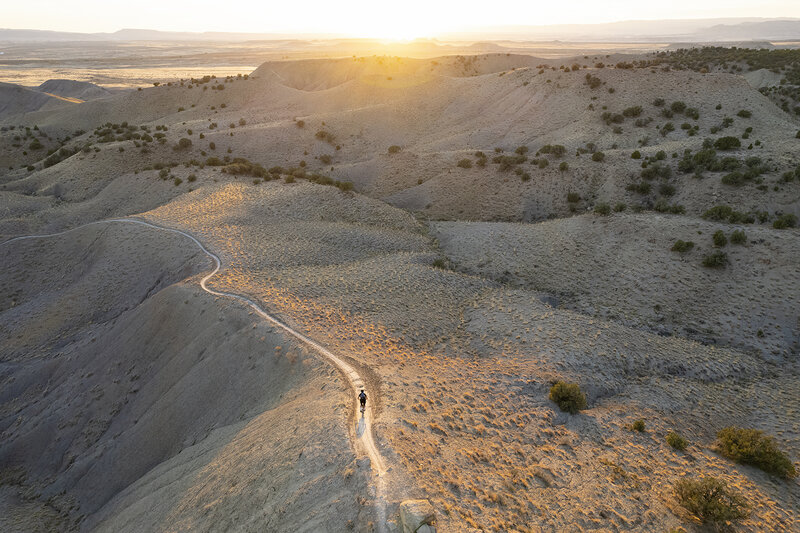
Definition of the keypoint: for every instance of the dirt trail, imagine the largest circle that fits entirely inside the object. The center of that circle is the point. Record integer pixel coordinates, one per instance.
(363, 434)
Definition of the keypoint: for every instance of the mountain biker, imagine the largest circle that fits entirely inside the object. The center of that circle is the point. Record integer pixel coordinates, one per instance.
(363, 399)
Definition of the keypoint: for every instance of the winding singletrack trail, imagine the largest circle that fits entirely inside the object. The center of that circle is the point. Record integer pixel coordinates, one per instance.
(364, 437)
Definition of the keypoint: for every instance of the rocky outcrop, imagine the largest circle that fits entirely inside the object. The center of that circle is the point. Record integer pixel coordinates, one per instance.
(417, 516)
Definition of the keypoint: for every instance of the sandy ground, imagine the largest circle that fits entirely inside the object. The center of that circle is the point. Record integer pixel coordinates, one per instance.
(461, 357)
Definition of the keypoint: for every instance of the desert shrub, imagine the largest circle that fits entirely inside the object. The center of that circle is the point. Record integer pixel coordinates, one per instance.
(734, 179)
(598, 156)
(542, 163)
(738, 237)
(619, 207)
(744, 113)
(325, 159)
(36, 145)
(633, 111)
(676, 441)
(642, 187)
(727, 143)
(329, 138)
(568, 397)
(659, 102)
(637, 425)
(573, 197)
(656, 170)
(300, 123)
(719, 238)
(163, 173)
(183, 144)
(214, 162)
(192, 178)
(754, 447)
(636, 154)
(710, 500)
(393, 149)
(177, 181)
(692, 113)
(521, 150)
(58, 156)
(724, 213)
(242, 122)
(665, 189)
(593, 81)
(612, 118)
(677, 107)
(563, 166)
(440, 263)
(465, 163)
(602, 209)
(785, 221)
(241, 166)
(715, 260)
(682, 246)
(556, 150)
(667, 128)
(662, 206)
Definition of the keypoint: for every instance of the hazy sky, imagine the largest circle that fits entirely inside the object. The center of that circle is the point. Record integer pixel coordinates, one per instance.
(361, 18)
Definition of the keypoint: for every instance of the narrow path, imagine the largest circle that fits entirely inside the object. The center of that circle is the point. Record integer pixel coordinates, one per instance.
(364, 436)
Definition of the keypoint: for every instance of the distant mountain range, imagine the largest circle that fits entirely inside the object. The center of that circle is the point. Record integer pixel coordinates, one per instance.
(687, 30)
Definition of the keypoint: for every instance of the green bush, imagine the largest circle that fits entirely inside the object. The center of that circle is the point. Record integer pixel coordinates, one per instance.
(744, 113)
(563, 166)
(724, 213)
(620, 207)
(636, 155)
(715, 260)
(573, 197)
(465, 163)
(568, 397)
(602, 209)
(710, 500)
(719, 238)
(738, 237)
(637, 425)
(682, 246)
(753, 447)
(727, 143)
(598, 156)
(177, 181)
(393, 149)
(676, 441)
(785, 221)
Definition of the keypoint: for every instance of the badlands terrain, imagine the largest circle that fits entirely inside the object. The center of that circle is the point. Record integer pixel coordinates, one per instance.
(462, 231)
